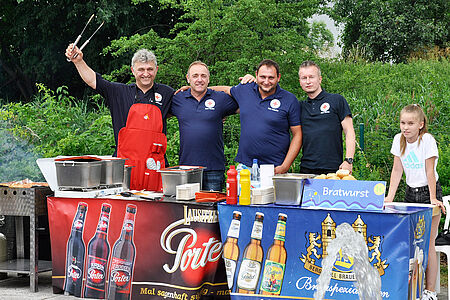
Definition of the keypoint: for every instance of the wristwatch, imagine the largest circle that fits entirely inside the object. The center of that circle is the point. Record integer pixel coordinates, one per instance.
(349, 160)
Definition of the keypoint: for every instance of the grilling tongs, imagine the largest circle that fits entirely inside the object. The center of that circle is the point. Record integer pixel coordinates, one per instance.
(87, 41)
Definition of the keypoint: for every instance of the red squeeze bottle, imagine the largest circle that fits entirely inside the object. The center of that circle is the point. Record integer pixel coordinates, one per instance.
(232, 185)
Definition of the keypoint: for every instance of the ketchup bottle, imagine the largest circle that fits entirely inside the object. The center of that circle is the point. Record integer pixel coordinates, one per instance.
(232, 185)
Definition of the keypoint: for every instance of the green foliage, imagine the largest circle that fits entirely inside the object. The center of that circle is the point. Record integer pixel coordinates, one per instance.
(53, 124)
(390, 30)
(231, 37)
(35, 34)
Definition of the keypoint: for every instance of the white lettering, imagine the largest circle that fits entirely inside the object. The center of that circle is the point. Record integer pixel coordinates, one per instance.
(186, 254)
(344, 193)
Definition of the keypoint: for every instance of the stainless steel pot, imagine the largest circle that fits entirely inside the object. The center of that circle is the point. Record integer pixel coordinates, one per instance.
(78, 172)
(127, 178)
(112, 171)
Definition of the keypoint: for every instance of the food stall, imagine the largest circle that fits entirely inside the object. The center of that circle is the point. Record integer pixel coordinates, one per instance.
(147, 245)
(112, 242)
(277, 250)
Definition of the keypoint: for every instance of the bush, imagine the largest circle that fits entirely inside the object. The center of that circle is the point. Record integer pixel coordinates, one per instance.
(57, 124)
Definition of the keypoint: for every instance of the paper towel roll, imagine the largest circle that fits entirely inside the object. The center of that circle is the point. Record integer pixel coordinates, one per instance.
(266, 171)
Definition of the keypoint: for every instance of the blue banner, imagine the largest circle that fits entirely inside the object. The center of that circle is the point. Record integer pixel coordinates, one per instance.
(278, 250)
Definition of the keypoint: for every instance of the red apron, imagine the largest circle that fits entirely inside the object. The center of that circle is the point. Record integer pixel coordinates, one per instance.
(143, 144)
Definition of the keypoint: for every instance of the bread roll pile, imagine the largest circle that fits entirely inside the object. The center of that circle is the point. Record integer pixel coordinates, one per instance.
(339, 175)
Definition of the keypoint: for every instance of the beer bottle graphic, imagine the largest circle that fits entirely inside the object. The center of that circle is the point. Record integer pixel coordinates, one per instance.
(75, 254)
(231, 248)
(97, 257)
(247, 280)
(272, 278)
(122, 259)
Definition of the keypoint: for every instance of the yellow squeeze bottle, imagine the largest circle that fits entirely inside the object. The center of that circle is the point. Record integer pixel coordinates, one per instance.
(244, 198)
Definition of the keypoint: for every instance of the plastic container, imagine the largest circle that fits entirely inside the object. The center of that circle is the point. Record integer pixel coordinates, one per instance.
(244, 197)
(232, 185)
(177, 175)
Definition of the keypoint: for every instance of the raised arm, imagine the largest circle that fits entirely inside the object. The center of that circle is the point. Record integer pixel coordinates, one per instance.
(86, 73)
(294, 148)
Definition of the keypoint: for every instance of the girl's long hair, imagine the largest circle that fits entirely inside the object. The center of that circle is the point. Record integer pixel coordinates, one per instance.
(416, 109)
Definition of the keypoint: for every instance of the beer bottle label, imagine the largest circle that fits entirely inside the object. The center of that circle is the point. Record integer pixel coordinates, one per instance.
(74, 271)
(257, 230)
(121, 274)
(249, 274)
(280, 232)
(230, 268)
(96, 272)
(233, 231)
(272, 277)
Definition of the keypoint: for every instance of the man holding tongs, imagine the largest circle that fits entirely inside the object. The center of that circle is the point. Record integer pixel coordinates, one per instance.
(120, 97)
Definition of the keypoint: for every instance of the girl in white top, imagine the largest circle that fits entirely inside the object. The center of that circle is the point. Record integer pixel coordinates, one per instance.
(415, 152)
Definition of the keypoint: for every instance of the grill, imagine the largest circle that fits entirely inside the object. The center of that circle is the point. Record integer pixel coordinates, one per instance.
(20, 203)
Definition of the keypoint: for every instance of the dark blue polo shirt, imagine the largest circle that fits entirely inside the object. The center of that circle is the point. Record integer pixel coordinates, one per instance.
(265, 124)
(201, 127)
(322, 130)
(119, 98)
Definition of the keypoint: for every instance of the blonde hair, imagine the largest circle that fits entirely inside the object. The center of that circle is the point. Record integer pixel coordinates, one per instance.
(415, 109)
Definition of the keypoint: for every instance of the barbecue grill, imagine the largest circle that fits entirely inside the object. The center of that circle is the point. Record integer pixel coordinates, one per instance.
(20, 203)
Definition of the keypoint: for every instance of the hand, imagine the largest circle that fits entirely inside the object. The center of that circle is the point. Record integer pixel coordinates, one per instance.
(182, 89)
(346, 166)
(247, 79)
(70, 53)
(281, 169)
(389, 199)
(438, 203)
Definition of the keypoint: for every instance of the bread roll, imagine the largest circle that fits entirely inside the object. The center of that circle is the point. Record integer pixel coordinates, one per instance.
(342, 173)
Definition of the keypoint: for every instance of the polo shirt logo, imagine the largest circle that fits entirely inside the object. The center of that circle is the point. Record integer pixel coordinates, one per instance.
(158, 98)
(274, 105)
(325, 108)
(146, 117)
(210, 104)
(412, 162)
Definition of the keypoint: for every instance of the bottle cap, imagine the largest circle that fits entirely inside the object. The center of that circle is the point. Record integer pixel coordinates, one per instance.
(232, 167)
(255, 160)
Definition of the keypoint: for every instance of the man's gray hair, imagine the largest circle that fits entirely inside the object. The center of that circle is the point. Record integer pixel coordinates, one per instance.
(143, 55)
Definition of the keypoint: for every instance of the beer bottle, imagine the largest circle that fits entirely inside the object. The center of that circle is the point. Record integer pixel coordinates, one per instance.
(231, 248)
(247, 280)
(75, 254)
(122, 259)
(97, 258)
(272, 278)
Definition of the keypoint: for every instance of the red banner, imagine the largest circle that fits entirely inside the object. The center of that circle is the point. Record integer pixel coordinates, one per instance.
(124, 249)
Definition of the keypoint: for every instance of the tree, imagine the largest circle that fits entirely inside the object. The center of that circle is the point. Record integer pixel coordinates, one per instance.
(390, 30)
(35, 34)
(229, 36)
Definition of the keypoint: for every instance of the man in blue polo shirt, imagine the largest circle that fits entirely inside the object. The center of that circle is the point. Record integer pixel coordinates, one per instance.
(120, 97)
(200, 112)
(324, 117)
(267, 114)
